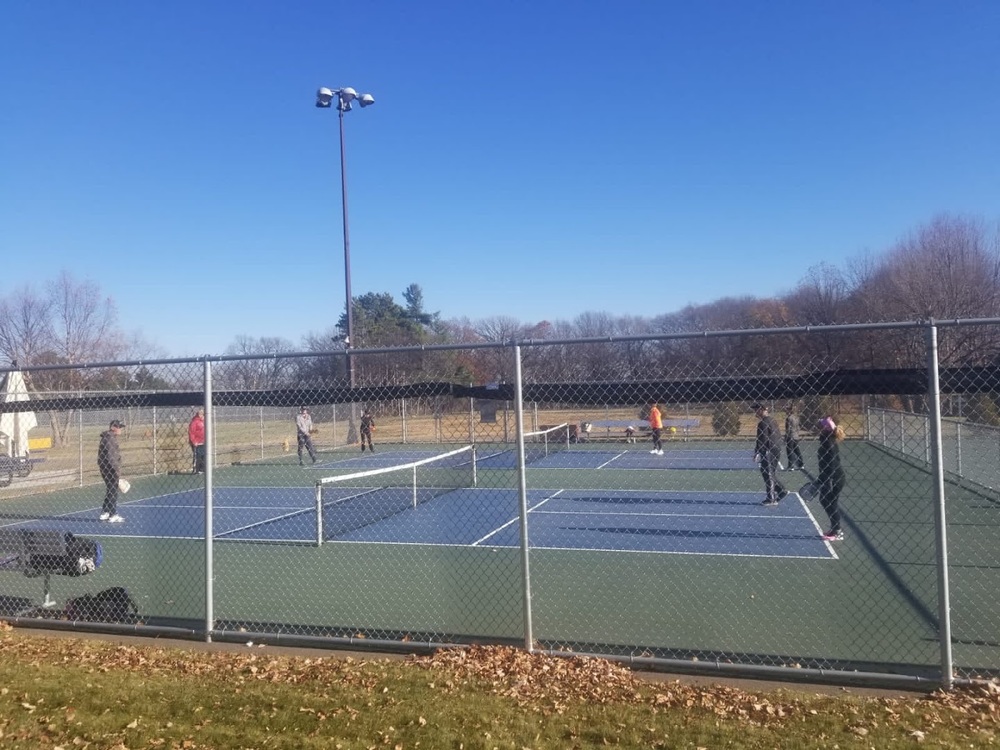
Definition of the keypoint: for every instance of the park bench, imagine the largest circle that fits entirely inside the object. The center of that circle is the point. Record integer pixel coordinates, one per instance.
(620, 427)
(44, 553)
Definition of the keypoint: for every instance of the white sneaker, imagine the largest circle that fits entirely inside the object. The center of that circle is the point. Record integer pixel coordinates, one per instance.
(659, 453)
(104, 516)
(653, 451)
(115, 519)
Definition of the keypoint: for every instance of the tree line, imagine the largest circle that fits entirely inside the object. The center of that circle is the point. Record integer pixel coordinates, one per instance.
(948, 268)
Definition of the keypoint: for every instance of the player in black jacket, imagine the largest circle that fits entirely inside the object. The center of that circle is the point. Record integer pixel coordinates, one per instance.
(767, 454)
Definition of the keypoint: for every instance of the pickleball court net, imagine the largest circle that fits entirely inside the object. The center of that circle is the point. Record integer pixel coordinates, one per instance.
(349, 502)
(542, 443)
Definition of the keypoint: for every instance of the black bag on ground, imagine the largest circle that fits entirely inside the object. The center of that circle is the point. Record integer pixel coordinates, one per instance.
(113, 605)
(61, 553)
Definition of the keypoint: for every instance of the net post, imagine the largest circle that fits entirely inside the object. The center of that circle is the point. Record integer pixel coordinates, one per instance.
(319, 514)
(475, 467)
(414, 486)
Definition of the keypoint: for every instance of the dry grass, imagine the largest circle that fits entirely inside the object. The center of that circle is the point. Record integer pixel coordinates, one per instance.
(77, 693)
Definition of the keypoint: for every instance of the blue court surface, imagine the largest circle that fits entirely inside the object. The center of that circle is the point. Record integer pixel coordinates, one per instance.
(672, 522)
(505, 457)
(636, 458)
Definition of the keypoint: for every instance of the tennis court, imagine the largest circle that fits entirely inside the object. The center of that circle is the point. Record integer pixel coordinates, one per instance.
(625, 556)
(717, 523)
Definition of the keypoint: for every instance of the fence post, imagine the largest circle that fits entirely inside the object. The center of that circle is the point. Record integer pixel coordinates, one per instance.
(958, 448)
(472, 418)
(154, 441)
(209, 530)
(262, 432)
(522, 493)
(940, 516)
(80, 422)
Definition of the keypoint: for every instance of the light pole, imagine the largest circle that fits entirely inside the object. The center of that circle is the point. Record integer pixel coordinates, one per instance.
(344, 98)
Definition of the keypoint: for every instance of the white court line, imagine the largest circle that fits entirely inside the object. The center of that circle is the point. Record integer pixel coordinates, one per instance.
(514, 520)
(617, 550)
(295, 512)
(816, 525)
(667, 515)
(623, 453)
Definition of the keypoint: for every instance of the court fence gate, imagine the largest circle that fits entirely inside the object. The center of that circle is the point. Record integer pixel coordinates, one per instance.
(516, 493)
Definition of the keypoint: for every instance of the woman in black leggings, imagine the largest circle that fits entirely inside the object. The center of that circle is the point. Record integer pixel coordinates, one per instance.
(831, 475)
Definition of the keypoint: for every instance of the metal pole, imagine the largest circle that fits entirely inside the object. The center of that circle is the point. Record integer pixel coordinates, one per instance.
(522, 493)
(80, 422)
(209, 530)
(352, 434)
(347, 247)
(958, 448)
(472, 418)
(154, 440)
(940, 516)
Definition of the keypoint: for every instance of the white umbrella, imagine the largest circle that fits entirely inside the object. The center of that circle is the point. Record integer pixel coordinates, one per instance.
(16, 424)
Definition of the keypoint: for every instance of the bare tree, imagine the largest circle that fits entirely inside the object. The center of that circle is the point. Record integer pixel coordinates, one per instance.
(269, 370)
(497, 364)
(84, 323)
(948, 268)
(25, 326)
(821, 298)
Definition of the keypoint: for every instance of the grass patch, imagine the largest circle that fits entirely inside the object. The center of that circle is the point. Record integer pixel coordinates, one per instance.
(84, 693)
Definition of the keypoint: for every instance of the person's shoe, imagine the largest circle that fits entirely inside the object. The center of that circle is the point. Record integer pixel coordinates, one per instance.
(104, 516)
(301, 464)
(115, 519)
(653, 451)
(833, 536)
(659, 452)
(769, 502)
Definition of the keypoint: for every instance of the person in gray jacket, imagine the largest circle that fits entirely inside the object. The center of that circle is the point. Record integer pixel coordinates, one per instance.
(109, 461)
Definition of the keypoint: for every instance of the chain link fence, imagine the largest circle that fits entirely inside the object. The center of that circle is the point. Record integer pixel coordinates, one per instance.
(431, 505)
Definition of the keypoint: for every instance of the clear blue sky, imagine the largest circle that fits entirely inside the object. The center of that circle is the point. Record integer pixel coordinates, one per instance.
(533, 159)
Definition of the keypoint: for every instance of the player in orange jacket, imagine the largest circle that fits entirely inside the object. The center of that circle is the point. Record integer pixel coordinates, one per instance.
(656, 427)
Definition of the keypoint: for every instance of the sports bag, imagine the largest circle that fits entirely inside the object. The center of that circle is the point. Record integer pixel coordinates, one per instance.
(113, 605)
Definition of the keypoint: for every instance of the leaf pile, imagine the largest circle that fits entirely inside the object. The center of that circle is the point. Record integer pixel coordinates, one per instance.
(540, 683)
(551, 684)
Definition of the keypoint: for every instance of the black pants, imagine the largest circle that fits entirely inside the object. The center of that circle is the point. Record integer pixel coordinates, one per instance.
(306, 442)
(769, 470)
(110, 477)
(199, 458)
(794, 453)
(657, 442)
(366, 435)
(829, 498)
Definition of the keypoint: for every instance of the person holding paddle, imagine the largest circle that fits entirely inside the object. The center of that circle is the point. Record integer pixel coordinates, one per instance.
(831, 474)
(767, 454)
(303, 434)
(109, 461)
